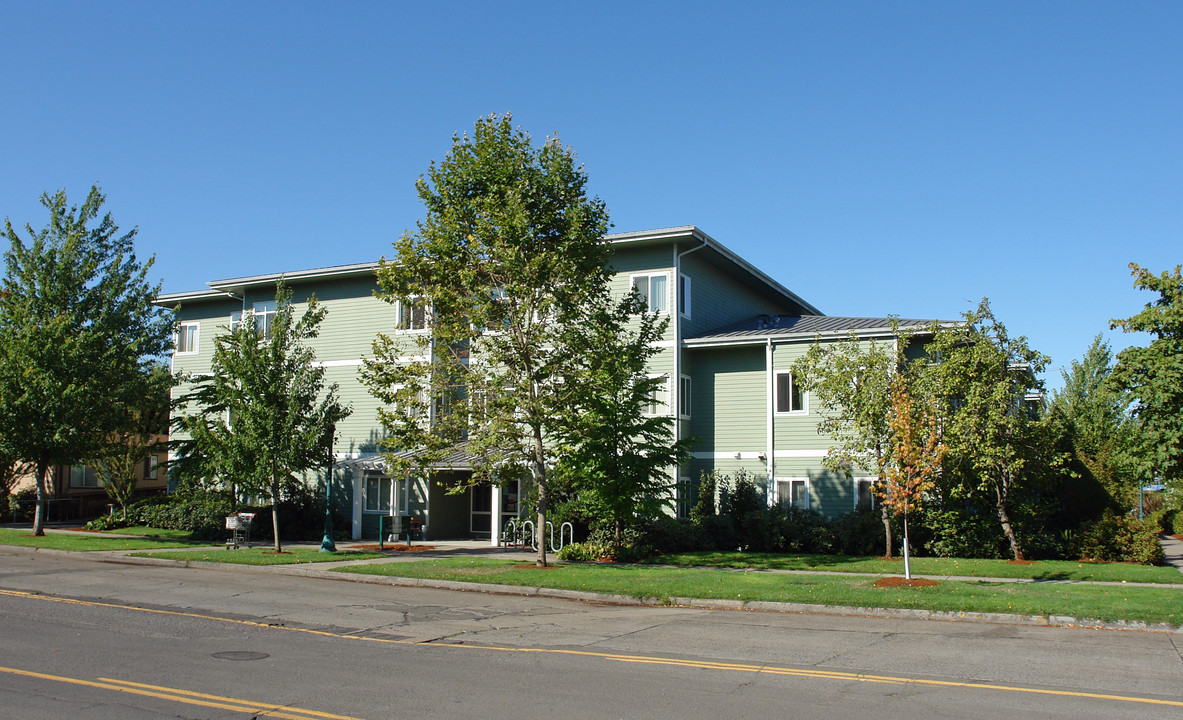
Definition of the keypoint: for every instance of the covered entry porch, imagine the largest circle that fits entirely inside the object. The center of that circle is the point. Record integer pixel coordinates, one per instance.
(437, 510)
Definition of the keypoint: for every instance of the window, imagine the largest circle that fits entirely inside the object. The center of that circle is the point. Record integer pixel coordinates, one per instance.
(378, 494)
(187, 339)
(684, 396)
(151, 467)
(412, 314)
(658, 401)
(653, 291)
(264, 317)
(789, 397)
(685, 499)
(794, 493)
(82, 476)
(864, 499)
(683, 295)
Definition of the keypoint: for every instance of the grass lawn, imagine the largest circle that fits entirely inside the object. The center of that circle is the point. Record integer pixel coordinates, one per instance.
(1153, 605)
(1039, 570)
(145, 531)
(95, 541)
(265, 555)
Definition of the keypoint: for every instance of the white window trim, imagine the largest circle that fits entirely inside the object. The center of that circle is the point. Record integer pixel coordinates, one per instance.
(398, 315)
(778, 480)
(663, 397)
(683, 296)
(685, 396)
(776, 393)
(196, 338)
(683, 496)
(665, 273)
(867, 479)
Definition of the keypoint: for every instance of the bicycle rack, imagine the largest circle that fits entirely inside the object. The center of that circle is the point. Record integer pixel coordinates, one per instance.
(516, 534)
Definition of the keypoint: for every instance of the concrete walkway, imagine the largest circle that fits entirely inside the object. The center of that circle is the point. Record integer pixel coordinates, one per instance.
(1172, 547)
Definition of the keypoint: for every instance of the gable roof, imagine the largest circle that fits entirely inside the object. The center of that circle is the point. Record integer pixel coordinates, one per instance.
(686, 238)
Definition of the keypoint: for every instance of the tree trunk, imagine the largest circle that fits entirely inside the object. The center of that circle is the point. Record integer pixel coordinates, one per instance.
(886, 529)
(275, 514)
(38, 512)
(1007, 529)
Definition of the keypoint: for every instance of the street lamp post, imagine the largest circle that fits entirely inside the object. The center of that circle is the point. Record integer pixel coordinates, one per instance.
(326, 543)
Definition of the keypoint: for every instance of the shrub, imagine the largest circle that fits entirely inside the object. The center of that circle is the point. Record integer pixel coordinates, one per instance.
(1118, 538)
(788, 530)
(859, 533)
(583, 552)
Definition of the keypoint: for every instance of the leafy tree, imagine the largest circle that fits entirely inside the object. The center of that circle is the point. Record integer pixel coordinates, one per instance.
(142, 432)
(1097, 420)
(263, 414)
(77, 329)
(1153, 375)
(620, 454)
(983, 376)
(852, 380)
(508, 259)
(917, 450)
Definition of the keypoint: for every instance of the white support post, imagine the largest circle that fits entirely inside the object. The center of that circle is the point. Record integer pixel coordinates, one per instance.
(495, 515)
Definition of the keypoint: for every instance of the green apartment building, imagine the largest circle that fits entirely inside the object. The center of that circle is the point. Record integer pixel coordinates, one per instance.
(733, 335)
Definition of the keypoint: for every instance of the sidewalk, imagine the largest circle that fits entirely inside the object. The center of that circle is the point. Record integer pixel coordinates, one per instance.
(474, 548)
(1172, 547)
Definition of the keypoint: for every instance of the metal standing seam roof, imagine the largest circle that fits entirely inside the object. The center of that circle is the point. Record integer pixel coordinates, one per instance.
(458, 458)
(763, 326)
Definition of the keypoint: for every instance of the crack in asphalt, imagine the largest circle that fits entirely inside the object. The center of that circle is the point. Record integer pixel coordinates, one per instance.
(876, 641)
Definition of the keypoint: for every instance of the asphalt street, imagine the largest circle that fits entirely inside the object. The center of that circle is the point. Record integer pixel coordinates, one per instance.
(87, 639)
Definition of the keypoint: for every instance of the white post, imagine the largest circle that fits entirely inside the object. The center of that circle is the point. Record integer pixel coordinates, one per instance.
(495, 515)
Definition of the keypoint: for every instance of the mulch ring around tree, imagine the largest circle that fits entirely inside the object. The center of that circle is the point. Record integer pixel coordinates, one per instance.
(1020, 562)
(901, 582)
(394, 548)
(532, 566)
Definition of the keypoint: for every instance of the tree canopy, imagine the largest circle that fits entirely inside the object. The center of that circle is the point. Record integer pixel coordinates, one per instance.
(852, 379)
(1153, 375)
(77, 329)
(142, 431)
(988, 382)
(616, 445)
(508, 259)
(263, 414)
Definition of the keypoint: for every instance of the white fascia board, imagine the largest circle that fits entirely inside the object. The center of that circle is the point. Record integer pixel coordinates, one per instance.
(171, 299)
(367, 268)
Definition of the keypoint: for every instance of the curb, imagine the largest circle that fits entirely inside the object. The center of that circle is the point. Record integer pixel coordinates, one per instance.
(1062, 621)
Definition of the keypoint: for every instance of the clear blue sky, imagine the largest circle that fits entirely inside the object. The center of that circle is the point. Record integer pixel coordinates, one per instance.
(876, 158)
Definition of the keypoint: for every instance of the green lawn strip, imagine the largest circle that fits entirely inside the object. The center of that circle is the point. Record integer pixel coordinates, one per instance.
(1152, 605)
(264, 556)
(145, 531)
(96, 541)
(1040, 570)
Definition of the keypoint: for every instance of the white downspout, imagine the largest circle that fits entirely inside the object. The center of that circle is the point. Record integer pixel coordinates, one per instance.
(770, 436)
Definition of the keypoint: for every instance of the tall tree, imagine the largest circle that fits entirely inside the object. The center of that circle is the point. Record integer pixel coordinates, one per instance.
(1153, 375)
(508, 258)
(142, 432)
(263, 412)
(852, 380)
(617, 440)
(917, 450)
(77, 328)
(1097, 419)
(984, 378)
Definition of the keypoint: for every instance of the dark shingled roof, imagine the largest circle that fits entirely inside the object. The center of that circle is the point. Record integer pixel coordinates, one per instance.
(765, 325)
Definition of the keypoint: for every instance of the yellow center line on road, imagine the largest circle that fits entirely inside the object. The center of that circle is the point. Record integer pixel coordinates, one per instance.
(649, 660)
(185, 696)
